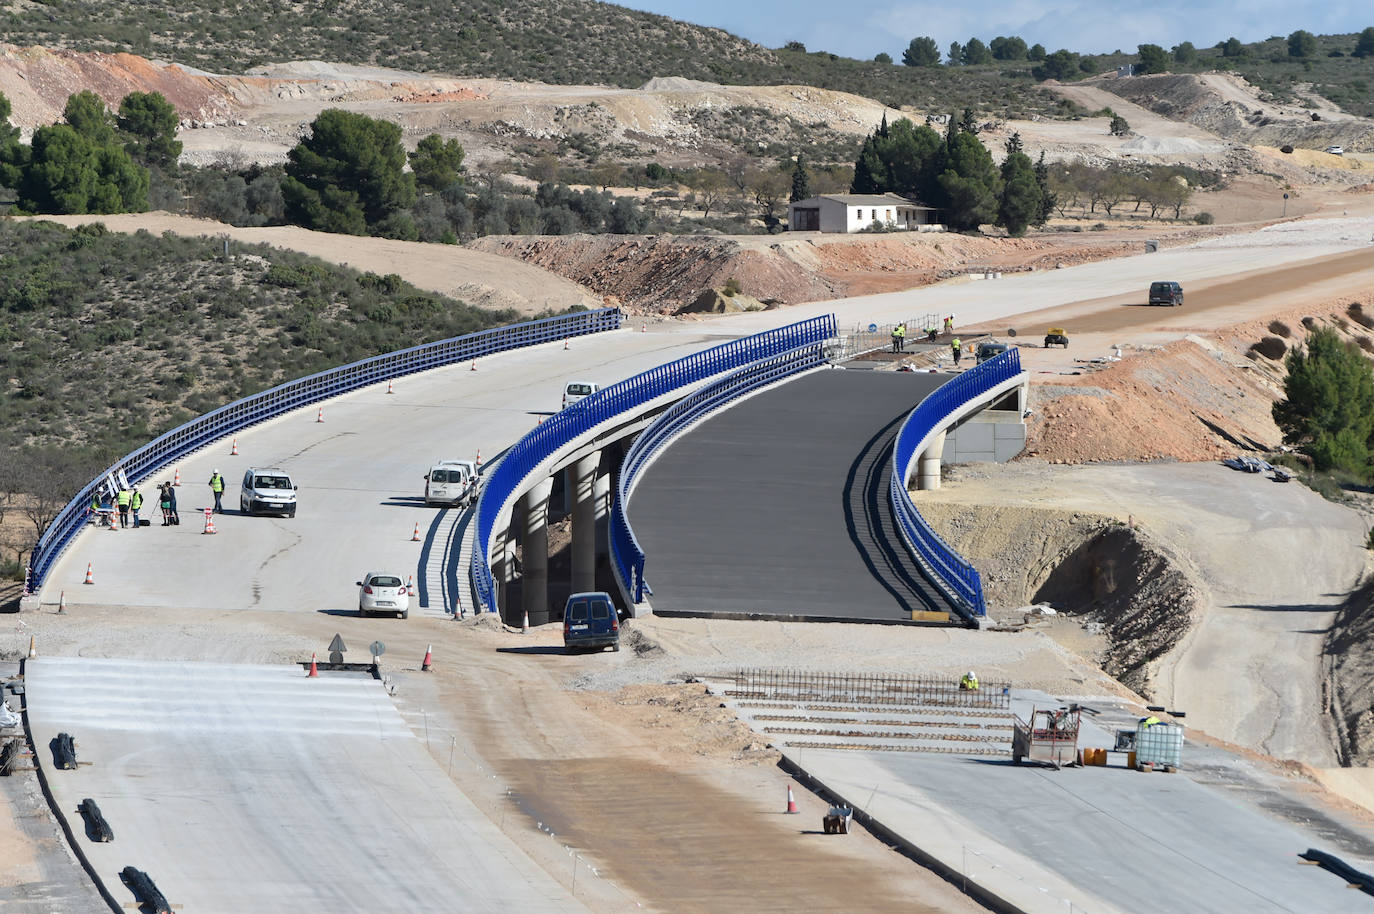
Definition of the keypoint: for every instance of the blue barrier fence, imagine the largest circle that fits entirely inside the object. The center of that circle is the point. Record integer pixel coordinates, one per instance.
(314, 388)
(962, 584)
(626, 553)
(576, 421)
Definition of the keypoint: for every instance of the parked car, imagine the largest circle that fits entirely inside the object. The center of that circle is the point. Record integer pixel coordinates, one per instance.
(1166, 293)
(989, 350)
(1056, 336)
(383, 592)
(1336, 150)
(590, 621)
(267, 491)
(577, 390)
(451, 482)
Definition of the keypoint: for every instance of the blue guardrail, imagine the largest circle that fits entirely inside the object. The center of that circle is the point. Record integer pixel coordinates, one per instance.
(586, 414)
(626, 552)
(962, 584)
(241, 414)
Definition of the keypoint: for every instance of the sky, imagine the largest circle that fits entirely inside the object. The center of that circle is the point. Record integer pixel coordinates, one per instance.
(862, 28)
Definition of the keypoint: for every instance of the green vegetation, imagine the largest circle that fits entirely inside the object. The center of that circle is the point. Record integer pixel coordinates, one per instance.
(1328, 406)
(111, 339)
(347, 177)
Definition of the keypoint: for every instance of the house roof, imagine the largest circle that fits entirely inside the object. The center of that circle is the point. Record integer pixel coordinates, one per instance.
(865, 200)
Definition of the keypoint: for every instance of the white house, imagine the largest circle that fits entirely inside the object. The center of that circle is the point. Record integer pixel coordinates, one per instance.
(855, 212)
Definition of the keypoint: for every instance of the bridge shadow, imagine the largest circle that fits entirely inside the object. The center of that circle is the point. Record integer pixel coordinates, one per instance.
(872, 528)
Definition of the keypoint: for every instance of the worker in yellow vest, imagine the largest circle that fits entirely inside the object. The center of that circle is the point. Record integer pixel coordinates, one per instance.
(957, 346)
(969, 682)
(122, 500)
(135, 502)
(217, 487)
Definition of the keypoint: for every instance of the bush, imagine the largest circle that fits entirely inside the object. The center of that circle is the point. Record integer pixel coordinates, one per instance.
(1204, 219)
(732, 287)
(1356, 313)
(1286, 149)
(1271, 347)
(1280, 328)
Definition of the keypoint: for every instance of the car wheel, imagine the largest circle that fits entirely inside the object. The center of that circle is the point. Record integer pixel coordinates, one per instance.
(362, 613)
(616, 647)
(405, 614)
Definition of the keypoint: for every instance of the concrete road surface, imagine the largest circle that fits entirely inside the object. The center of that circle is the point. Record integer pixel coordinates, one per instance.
(256, 788)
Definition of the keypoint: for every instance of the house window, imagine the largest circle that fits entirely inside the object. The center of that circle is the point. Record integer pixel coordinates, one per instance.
(889, 215)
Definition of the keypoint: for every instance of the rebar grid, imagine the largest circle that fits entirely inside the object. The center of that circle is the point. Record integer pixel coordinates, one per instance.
(873, 688)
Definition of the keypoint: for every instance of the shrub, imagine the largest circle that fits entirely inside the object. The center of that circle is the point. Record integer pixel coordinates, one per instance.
(732, 287)
(1286, 149)
(1280, 328)
(1356, 313)
(1204, 218)
(1271, 347)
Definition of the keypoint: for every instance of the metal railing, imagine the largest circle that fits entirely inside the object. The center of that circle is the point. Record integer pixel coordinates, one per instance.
(950, 571)
(314, 388)
(627, 556)
(575, 422)
(862, 339)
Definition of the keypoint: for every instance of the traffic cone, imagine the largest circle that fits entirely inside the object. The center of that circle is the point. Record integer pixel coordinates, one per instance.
(319, 416)
(565, 344)
(474, 365)
(314, 670)
(62, 603)
(389, 388)
(478, 461)
(33, 647)
(90, 578)
(114, 520)
(209, 521)
(791, 802)
(525, 624)
(176, 477)
(643, 328)
(415, 537)
(429, 651)
(410, 584)
(234, 448)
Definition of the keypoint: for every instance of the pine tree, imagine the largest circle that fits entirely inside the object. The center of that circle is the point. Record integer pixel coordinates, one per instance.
(801, 181)
(1047, 196)
(870, 175)
(1020, 200)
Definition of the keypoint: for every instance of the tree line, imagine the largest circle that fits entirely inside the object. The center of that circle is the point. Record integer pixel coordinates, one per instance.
(956, 174)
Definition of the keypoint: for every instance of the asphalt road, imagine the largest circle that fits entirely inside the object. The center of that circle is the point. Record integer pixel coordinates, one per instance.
(778, 507)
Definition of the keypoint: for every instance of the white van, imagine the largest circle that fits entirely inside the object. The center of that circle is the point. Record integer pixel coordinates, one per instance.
(577, 390)
(451, 482)
(267, 490)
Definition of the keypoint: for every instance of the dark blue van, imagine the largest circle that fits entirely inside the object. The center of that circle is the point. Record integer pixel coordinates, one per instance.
(589, 621)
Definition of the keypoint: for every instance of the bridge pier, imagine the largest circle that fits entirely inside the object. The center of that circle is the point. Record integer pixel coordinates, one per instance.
(534, 583)
(583, 478)
(928, 466)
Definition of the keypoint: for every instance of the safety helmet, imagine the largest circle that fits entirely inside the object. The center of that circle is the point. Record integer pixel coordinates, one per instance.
(971, 675)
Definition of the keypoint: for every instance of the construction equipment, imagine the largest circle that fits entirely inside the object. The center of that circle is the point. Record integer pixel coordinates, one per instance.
(836, 821)
(1051, 736)
(1056, 336)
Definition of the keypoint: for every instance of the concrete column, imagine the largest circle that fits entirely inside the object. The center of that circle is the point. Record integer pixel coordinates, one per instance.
(534, 585)
(928, 465)
(583, 477)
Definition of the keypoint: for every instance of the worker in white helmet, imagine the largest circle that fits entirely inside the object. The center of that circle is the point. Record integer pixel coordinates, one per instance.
(969, 682)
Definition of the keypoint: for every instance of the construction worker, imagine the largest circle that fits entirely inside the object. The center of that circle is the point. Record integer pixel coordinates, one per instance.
(957, 346)
(931, 334)
(135, 502)
(900, 334)
(949, 325)
(217, 486)
(894, 339)
(122, 500)
(968, 682)
(1148, 722)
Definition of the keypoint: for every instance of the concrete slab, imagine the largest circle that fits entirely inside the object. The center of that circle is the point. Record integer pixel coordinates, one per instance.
(242, 788)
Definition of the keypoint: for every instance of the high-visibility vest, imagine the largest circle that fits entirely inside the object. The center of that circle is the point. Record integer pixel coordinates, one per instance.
(123, 498)
(136, 500)
(217, 483)
(1147, 722)
(956, 344)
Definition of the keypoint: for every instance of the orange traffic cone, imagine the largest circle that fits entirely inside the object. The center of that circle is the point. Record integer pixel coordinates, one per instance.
(62, 603)
(314, 670)
(791, 802)
(90, 577)
(565, 344)
(478, 461)
(389, 388)
(114, 520)
(643, 328)
(176, 477)
(474, 365)
(429, 651)
(234, 448)
(525, 625)
(319, 416)
(209, 521)
(33, 647)
(410, 585)
(415, 537)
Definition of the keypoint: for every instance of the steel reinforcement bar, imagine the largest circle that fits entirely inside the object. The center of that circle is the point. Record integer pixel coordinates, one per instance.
(949, 570)
(873, 688)
(269, 404)
(572, 424)
(627, 556)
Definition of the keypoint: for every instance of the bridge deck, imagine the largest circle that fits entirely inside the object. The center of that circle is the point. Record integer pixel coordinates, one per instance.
(778, 507)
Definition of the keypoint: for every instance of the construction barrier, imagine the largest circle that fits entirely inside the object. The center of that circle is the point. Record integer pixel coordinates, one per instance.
(242, 414)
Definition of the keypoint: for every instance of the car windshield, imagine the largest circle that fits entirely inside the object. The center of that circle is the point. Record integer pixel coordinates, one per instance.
(579, 390)
(271, 482)
(385, 580)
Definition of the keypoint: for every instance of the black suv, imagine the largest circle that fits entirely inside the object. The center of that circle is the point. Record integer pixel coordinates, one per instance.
(1166, 293)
